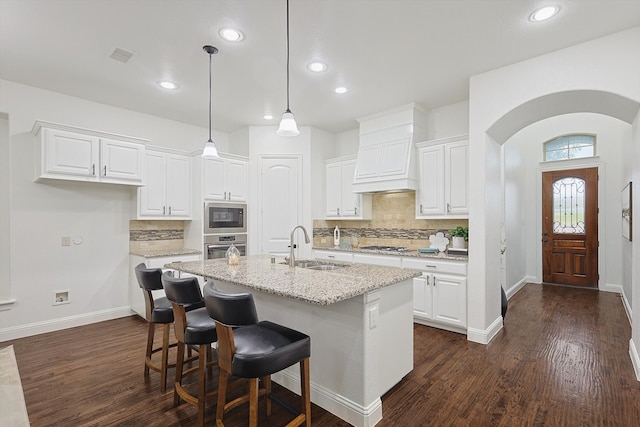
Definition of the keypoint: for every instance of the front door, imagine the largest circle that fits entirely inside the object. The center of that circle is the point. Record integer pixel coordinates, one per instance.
(570, 227)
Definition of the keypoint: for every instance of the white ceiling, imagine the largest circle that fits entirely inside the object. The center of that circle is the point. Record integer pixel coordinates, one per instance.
(387, 52)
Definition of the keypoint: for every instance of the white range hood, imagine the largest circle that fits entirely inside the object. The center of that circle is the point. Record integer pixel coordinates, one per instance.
(386, 153)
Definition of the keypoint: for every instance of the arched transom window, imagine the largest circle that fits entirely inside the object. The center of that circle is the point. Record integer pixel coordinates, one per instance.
(570, 147)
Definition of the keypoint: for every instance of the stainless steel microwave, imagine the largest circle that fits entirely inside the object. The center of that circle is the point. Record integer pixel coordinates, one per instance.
(225, 218)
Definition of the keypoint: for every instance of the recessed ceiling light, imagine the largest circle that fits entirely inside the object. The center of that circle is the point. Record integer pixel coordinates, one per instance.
(231, 34)
(268, 117)
(544, 13)
(167, 85)
(317, 67)
(341, 89)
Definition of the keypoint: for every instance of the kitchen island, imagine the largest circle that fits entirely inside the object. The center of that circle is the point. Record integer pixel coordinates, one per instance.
(359, 318)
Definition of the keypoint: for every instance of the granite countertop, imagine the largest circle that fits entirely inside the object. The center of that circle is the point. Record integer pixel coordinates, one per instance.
(154, 253)
(322, 287)
(409, 253)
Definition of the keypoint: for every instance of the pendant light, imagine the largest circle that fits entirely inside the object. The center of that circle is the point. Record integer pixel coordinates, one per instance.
(288, 126)
(210, 151)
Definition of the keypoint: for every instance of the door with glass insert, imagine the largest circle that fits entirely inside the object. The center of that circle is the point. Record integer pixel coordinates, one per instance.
(570, 227)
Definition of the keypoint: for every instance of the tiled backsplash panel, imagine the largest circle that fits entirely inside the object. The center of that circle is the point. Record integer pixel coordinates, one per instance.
(393, 223)
(156, 235)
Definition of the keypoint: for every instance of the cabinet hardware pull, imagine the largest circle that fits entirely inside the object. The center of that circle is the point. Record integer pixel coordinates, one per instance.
(428, 281)
(448, 208)
(430, 266)
(164, 210)
(355, 210)
(169, 210)
(225, 196)
(331, 256)
(338, 209)
(105, 171)
(420, 207)
(229, 195)
(93, 170)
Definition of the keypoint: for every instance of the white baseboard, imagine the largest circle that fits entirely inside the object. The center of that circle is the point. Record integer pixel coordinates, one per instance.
(349, 411)
(484, 336)
(635, 358)
(627, 307)
(513, 289)
(63, 323)
(608, 287)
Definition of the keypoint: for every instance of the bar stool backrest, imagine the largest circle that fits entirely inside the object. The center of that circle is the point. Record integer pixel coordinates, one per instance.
(230, 309)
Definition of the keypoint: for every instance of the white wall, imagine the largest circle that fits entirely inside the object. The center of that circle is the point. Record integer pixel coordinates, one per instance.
(449, 120)
(523, 154)
(5, 209)
(608, 66)
(634, 344)
(96, 271)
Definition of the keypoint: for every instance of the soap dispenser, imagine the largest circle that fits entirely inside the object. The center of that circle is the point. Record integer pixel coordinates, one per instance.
(336, 237)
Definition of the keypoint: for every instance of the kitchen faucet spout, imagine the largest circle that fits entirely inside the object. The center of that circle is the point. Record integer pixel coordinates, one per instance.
(292, 261)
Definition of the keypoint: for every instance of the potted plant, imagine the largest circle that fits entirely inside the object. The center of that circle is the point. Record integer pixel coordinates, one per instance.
(460, 235)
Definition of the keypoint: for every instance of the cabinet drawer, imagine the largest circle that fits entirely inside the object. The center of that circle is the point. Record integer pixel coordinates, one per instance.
(333, 256)
(386, 261)
(160, 262)
(435, 266)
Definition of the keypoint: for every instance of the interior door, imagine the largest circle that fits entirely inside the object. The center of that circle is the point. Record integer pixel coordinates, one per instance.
(280, 207)
(570, 227)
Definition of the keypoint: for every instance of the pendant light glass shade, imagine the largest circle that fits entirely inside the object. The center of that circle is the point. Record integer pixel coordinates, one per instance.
(288, 126)
(210, 151)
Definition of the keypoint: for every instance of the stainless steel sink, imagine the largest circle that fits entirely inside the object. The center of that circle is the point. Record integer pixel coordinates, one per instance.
(317, 265)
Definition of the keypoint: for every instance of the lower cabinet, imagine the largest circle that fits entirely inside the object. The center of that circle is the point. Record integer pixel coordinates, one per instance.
(440, 300)
(135, 293)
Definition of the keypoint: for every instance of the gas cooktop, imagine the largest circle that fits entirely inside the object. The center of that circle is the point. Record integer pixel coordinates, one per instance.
(386, 248)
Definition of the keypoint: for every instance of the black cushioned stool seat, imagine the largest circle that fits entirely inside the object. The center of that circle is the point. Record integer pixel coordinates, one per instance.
(253, 349)
(192, 328)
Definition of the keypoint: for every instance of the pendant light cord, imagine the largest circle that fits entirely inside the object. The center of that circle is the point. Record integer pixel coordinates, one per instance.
(288, 110)
(210, 97)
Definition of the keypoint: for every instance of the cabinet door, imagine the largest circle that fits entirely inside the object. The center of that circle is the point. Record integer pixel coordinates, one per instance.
(213, 175)
(68, 153)
(369, 156)
(422, 296)
(456, 179)
(395, 155)
(152, 197)
(431, 193)
(334, 189)
(236, 180)
(450, 299)
(121, 161)
(178, 185)
(350, 202)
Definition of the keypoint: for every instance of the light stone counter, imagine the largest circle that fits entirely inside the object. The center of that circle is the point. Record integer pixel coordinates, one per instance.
(322, 287)
(157, 253)
(410, 253)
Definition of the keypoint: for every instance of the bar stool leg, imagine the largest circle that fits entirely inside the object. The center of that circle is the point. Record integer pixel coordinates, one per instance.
(222, 396)
(151, 330)
(253, 402)
(178, 380)
(202, 375)
(165, 357)
(305, 391)
(267, 388)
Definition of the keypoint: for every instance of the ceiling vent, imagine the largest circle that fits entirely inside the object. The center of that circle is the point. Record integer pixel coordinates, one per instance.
(121, 55)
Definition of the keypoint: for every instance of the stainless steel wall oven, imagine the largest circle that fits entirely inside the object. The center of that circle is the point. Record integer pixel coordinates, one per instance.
(216, 245)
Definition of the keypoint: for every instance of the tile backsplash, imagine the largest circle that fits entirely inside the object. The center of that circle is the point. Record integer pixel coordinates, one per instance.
(156, 235)
(393, 223)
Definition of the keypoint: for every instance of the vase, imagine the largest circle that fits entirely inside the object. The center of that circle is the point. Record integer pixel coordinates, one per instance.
(458, 242)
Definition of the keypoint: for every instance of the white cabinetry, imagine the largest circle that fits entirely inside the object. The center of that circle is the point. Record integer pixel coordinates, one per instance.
(225, 179)
(135, 293)
(443, 189)
(440, 294)
(76, 154)
(341, 201)
(333, 255)
(167, 194)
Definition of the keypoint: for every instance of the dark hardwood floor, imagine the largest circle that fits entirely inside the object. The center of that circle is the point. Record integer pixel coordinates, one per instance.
(561, 360)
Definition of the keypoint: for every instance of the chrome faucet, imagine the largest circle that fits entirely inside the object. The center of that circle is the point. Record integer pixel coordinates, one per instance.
(292, 261)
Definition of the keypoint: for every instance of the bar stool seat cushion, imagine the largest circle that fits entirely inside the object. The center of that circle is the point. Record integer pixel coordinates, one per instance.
(162, 311)
(266, 347)
(200, 329)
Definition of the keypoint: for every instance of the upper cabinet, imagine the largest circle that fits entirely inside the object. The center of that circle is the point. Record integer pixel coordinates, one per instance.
(167, 193)
(225, 178)
(76, 154)
(443, 189)
(341, 201)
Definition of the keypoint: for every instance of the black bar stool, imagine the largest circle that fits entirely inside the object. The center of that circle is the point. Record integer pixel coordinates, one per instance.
(157, 311)
(252, 349)
(192, 328)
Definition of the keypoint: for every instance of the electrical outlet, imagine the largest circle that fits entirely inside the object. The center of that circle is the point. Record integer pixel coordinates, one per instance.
(373, 317)
(61, 297)
(65, 241)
